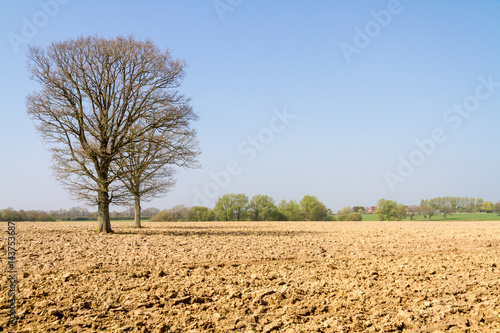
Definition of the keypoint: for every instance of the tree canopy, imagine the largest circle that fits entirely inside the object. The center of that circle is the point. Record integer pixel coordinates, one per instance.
(313, 209)
(231, 207)
(262, 208)
(98, 98)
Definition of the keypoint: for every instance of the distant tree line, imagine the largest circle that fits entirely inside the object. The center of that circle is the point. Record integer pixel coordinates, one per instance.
(10, 214)
(72, 214)
(390, 210)
(459, 204)
(239, 207)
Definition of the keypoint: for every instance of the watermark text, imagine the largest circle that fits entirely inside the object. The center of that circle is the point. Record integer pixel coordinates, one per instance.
(31, 26)
(249, 150)
(11, 273)
(454, 117)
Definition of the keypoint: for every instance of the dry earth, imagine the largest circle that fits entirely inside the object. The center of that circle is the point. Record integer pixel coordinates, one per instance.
(256, 277)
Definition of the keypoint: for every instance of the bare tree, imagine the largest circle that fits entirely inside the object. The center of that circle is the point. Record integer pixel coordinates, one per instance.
(446, 210)
(496, 208)
(149, 212)
(427, 211)
(179, 212)
(98, 96)
(144, 166)
(412, 211)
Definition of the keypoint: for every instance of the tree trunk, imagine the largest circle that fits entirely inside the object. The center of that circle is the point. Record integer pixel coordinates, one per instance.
(103, 222)
(137, 211)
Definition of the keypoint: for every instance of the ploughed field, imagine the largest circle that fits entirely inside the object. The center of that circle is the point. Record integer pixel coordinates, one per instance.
(256, 277)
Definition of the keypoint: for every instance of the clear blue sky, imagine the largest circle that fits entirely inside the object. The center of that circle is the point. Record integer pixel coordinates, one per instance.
(362, 79)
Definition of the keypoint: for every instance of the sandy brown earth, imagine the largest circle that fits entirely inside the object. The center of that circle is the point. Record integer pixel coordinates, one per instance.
(256, 277)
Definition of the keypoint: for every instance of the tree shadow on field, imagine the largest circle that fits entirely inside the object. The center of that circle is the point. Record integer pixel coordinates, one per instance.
(180, 231)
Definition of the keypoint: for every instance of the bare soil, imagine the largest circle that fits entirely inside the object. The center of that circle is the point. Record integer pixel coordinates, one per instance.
(256, 277)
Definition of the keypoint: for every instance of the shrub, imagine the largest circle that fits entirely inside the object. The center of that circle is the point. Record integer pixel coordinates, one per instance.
(163, 216)
(199, 213)
(350, 217)
(176, 213)
(276, 215)
(341, 217)
(331, 218)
